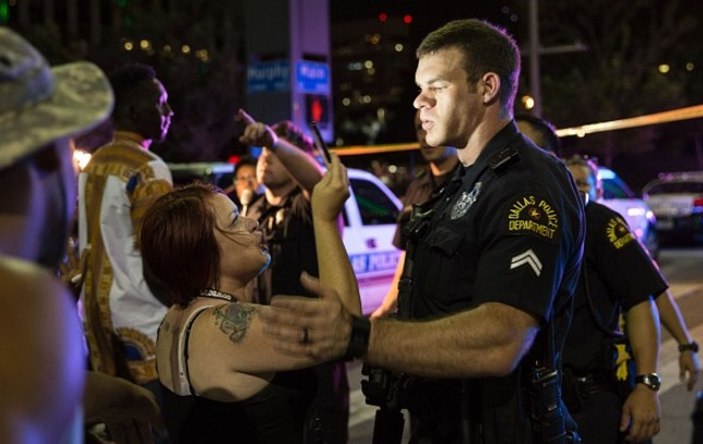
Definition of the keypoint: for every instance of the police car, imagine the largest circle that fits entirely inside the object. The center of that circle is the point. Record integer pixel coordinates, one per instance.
(369, 215)
(639, 217)
(677, 201)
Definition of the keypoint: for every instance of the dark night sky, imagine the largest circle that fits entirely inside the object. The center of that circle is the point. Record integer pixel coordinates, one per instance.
(429, 15)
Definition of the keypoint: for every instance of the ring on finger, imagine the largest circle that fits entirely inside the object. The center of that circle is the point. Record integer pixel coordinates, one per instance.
(306, 338)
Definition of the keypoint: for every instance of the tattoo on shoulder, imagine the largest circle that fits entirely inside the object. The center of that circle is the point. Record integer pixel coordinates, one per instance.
(233, 320)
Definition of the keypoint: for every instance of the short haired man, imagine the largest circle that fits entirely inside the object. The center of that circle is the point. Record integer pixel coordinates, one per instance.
(540, 131)
(116, 187)
(442, 162)
(288, 172)
(246, 186)
(496, 261)
(621, 278)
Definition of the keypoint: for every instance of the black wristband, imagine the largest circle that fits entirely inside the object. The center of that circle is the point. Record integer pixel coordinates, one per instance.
(693, 346)
(358, 338)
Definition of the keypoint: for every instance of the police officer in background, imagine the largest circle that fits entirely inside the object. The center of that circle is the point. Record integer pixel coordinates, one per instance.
(442, 163)
(495, 261)
(618, 276)
(621, 278)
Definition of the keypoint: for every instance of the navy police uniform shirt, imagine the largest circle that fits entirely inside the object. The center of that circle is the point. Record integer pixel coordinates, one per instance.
(509, 233)
(418, 192)
(507, 229)
(620, 275)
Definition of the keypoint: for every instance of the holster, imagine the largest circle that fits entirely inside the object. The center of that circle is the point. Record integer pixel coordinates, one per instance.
(576, 388)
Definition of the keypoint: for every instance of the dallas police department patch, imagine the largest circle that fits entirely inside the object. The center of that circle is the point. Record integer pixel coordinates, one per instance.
(617, 232)
(532, 214)
(465, 201)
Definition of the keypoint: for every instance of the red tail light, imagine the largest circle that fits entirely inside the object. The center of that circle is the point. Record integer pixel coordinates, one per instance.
(698, 202)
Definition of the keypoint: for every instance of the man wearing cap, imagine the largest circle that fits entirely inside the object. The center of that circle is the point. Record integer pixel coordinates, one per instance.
(122, 179)
(41, 349)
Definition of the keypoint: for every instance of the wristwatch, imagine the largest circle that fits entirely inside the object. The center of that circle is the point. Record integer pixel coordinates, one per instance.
(651, 380)
(693, 346)
(358, 339)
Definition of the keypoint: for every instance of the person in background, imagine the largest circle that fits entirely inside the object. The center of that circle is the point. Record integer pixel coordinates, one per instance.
(496, 260)
(543, 134)
(288, 173)
(121, 181)
(595, 347)
(48, 394)
(540, 131)
(246, 186)
(617, 277)
(224, 380)
(442, 162)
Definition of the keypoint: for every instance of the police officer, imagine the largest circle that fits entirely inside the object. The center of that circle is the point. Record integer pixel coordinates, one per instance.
(442, 162)
(618, 276)
(493, 266)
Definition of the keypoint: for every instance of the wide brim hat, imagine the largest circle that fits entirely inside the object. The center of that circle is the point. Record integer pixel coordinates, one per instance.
(39, 104)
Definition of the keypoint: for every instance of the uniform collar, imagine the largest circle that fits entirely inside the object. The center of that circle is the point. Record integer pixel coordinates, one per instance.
(128, 136)
(497, 143)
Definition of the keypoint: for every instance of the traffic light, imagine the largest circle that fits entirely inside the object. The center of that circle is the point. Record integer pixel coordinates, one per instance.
(317, 109)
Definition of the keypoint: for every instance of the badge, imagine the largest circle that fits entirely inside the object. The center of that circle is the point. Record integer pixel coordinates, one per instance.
(465, 201)
(532, 214)
(617, 233)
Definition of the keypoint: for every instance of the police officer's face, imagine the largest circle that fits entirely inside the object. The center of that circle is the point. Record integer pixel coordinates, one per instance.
(585, 181)
(450, 108)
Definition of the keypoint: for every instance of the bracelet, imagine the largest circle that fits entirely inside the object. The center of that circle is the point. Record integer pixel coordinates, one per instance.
(693, 346)
(359, 338)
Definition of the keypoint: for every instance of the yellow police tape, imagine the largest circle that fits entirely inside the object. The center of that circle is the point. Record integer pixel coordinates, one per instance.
(691, 112)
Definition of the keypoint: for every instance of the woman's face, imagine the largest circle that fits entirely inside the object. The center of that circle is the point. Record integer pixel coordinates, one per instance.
(242, 251)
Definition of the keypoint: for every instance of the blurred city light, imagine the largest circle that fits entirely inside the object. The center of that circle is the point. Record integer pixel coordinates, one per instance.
(4, 11)
(80, 159)
(528, 102)
(202, 54)
(664, 68)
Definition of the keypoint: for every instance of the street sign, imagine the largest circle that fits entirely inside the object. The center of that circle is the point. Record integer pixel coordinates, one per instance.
(268, 76)
(312, 77)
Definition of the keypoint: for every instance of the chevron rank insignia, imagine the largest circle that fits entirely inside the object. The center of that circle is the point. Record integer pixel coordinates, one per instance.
(527, 258)
(534, 215)
(617, 233)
